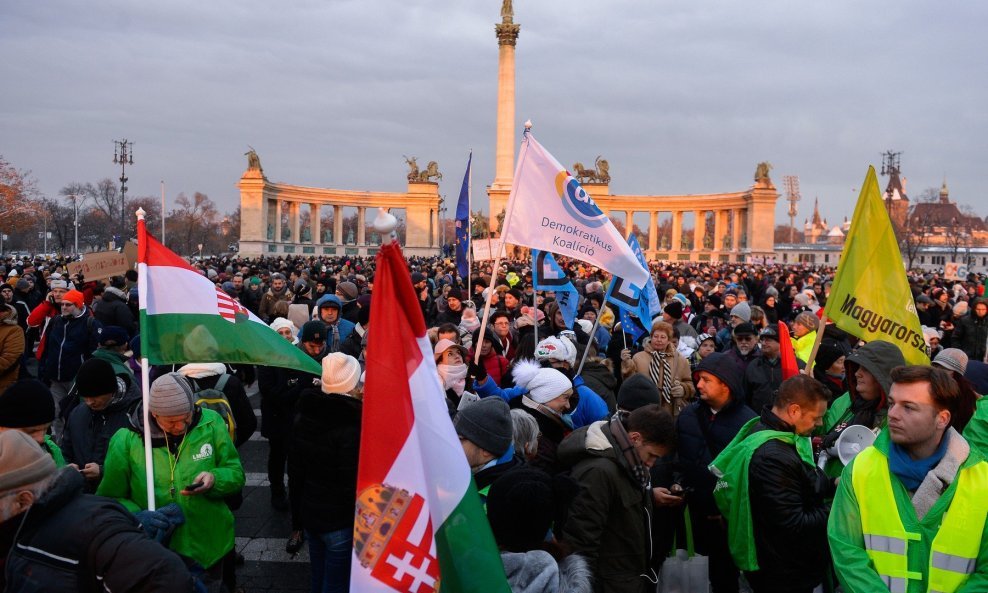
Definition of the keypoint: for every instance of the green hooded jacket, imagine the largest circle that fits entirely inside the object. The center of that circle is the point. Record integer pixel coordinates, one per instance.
(851, 561)
(207, 534)
(117, 361)
(55, 451)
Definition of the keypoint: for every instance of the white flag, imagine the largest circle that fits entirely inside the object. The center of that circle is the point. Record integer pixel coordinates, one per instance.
(550, 211)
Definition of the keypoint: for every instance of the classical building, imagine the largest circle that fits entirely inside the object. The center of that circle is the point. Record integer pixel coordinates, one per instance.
(945, 224)
(272, 221)
(736, 226)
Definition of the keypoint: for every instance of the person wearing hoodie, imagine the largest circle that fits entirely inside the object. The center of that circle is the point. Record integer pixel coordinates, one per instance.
(868, 372)
(523, 506)
(609, 520)
(113, 309)
(704, 429)
(107, 403)
(348, 292)
(11, 346)
(195, 466)
(329, 309)
(114, 345)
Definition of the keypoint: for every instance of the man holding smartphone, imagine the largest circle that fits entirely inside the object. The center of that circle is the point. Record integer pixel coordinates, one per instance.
(195, 467)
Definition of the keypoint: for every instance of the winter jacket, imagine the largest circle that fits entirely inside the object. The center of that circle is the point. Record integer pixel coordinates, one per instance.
(280, 389)
(878, 358)
(266, 308)
(608, 521)
(536, 571)
(552, 431)
(971, 335)
(11, 348)
(342, 326)
(681, 376)
(78, 543)
(788, 513)
(598, 376)
(803, 346)
(207, 534)
(761, 380)
(113, 310)
(87, 432)
(322, 459)
(119, 363)
(702, 435)
(855, 569)
(71, 340)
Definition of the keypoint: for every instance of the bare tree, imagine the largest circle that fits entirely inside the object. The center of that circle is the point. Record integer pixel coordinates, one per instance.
(194, 222)
(918, 227)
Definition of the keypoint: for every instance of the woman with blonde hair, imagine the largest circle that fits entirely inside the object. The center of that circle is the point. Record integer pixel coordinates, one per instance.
(666, 367)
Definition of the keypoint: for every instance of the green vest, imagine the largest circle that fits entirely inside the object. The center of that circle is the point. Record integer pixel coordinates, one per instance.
(954, 550)
(731, 491)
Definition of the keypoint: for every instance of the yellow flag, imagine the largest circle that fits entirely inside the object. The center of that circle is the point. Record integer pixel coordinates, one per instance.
(870, 297)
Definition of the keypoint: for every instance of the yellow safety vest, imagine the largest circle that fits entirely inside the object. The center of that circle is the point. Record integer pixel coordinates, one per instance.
(954, 550)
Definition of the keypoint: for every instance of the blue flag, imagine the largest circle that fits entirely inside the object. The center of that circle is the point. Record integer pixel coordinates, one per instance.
(633, 302)
(463, 224)
(547, 275)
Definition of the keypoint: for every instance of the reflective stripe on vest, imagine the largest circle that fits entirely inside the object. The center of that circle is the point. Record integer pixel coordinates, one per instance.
(954, 550)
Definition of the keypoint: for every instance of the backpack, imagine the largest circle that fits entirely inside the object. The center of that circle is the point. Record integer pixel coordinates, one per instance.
(213, 398)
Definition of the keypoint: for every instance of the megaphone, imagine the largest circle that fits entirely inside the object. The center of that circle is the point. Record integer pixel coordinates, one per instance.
(852, 440)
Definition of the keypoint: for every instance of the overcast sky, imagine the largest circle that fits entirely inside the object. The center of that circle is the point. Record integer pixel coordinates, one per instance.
(680, 97)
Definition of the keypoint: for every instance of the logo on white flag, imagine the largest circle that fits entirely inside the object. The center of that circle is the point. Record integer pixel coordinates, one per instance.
(577, 201)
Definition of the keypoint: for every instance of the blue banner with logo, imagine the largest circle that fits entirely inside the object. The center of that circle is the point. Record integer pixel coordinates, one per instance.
(547, 275)
(463, 224)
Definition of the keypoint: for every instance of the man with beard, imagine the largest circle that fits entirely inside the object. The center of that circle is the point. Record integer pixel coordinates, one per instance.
(278, 292)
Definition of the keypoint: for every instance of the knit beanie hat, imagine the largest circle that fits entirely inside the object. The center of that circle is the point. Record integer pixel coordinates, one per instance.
(348, 290)
(22, 461)
(675, 309)
(340, 373)
(282, 323)
(171, 395)
(742, 310)
(521, 508)
(22, 285)
(553, 348)
(95, 377)
(75, 297)
(637, 391)
(59, 283)
(543, 385)
(952, 359)
(830, 350)
(26, 403)
(487, 424)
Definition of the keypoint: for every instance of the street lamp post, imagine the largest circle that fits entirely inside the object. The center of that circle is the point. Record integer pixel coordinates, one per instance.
(442, 222)
(75, 223)
(123, 155)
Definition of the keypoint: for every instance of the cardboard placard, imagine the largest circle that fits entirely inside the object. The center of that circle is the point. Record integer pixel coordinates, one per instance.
(101, 265)
(955, 271)
(485, 249)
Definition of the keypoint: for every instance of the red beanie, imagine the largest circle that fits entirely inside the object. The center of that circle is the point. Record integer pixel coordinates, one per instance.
(75, 297)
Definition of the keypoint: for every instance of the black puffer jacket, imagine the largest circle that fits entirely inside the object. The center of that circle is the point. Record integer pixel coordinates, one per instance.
(971, 334)
(280, 389)
(789, 514)
(113, 310)
(70, 541)
(703, 434)
(87, 432)
(322, 460)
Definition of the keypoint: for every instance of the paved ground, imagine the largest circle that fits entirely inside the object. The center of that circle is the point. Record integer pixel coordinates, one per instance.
(262, 531)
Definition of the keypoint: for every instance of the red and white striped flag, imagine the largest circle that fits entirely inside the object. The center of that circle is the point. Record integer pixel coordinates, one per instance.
(419, 522)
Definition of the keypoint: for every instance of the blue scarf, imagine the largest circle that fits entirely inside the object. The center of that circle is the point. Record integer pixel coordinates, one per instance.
(912, 471)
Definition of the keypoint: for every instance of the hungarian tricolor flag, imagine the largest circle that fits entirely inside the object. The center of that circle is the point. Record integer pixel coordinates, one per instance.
(187, 318)
(419, 522)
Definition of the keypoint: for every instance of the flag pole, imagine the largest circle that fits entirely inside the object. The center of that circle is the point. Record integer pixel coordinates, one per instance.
(535, 315)
(497, 259)
(145, 368)
(593, 331)
(816, 345)
(470, 226)
(146, 403)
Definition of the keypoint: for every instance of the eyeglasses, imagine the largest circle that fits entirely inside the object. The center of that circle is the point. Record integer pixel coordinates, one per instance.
(67, 304)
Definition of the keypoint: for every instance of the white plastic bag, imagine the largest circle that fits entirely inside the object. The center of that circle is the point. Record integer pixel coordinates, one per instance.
(684, 571)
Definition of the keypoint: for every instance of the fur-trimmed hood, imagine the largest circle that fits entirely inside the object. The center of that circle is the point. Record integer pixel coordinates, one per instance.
(536, 571)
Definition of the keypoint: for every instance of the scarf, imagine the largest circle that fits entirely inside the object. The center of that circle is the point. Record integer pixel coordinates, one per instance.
(638, 470)
(334, 345)
(562, 419)
(661, 359)
(454, 376)
(911, 471)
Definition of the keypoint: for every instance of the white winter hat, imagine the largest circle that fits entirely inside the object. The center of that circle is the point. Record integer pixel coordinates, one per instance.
(543, 385)
(340, 373)
(281, 322)
(553, 348)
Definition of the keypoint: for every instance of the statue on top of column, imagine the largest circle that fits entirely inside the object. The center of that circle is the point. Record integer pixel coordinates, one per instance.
(507, 12)
(253, 161)
(413, 168)
(761, 171)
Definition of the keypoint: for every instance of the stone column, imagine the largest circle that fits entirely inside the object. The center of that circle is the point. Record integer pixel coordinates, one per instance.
(361, 227)
(277, 223)
(315, 223)
(699, 228)
(338, 225)
(736, 232)
(719, 229)
(677, 231)
(434, 224)
(507, 37)
(294, 211)
(653, 230)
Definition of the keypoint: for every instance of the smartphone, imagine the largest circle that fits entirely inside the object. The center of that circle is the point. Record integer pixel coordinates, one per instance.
(194, 486)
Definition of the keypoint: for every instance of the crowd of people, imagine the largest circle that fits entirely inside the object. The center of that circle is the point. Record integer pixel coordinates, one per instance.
(593, 446)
